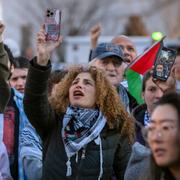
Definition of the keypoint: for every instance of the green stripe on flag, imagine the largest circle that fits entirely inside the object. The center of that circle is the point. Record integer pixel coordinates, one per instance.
(134, 85)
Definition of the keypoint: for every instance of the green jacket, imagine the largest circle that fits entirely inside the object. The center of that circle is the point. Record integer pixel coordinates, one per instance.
(4, 75)
(116, 150)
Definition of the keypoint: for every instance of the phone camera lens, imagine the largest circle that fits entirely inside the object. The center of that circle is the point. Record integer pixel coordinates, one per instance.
(52, 13)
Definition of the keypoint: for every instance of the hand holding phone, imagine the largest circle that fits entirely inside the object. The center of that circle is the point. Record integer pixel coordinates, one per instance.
(164, 63)
(52, 24)
(44, 47)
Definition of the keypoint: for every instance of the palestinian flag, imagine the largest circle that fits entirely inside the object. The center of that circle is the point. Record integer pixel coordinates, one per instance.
(139, 67)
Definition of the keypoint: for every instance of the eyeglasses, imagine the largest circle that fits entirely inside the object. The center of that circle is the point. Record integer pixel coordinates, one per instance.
(164, 131)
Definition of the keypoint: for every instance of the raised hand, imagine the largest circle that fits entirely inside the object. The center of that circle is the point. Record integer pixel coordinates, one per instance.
(166, 86)
(95, 32)
(44, 47)
(2, 27)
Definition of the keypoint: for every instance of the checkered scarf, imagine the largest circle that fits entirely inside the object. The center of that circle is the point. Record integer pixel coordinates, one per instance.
(81, 126)
(146, 118)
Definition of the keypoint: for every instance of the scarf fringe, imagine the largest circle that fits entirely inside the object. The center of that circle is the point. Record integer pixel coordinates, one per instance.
(99, 142)
(69, 169)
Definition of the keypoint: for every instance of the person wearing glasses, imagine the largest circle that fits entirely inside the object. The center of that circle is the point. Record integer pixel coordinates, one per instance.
(163, 138)
(161, 158)
(152, 91)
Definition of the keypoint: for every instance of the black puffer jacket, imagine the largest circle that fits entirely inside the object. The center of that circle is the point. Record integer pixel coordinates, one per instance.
(115, 149)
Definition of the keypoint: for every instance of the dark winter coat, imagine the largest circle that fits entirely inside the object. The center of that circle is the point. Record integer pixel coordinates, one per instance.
(4, 75)
(116, 149)
(138, 114)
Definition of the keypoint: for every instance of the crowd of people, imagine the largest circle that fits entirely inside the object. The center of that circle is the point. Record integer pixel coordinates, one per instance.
(82, 122)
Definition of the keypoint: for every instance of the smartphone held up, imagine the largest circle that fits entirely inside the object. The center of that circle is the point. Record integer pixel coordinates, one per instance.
(52, 24)
(164, 63)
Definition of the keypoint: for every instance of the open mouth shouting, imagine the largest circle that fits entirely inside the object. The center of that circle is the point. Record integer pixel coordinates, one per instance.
(78, 94)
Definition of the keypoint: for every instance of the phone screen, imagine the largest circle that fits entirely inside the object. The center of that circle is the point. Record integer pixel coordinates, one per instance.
(52, 24)
(164, 63)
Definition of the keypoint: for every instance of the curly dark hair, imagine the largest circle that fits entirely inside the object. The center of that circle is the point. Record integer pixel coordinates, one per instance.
(107, 99)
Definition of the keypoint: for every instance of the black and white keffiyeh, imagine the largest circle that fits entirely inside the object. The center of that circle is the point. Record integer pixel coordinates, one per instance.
(80, 126)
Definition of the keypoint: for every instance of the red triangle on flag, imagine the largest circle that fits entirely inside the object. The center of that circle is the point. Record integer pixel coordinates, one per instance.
(145, 61)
